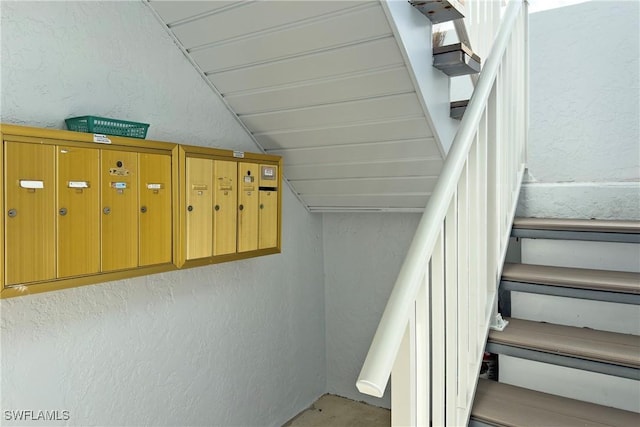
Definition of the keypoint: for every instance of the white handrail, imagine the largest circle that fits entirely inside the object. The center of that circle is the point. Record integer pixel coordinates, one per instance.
(450, 194)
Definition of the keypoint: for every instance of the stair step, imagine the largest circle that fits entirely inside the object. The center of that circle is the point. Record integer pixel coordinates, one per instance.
(612, 286)
(577, 229)
(457, 109)
(506, 405)
(439, 10)
(598, 351)
(456, 60)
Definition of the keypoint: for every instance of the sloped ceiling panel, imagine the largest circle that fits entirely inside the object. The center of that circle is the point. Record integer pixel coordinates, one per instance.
(323, 84)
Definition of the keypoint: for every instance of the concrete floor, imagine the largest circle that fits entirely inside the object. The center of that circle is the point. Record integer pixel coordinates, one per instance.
(335, 411)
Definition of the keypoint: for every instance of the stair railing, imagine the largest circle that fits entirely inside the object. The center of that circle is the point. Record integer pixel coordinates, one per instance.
(432, 334)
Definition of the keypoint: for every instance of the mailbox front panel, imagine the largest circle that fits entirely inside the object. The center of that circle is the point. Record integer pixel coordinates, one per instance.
(119, 210)
(248, 180)
(268, 224)
(224, 210)
(199, 213)
(78, 211)
(29, 216)
(268, 220)
(155, 208)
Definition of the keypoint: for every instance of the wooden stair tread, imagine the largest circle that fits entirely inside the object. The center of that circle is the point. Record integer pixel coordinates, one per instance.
(592, 225)
(454, 48)
(506, 405)
(601, 280)
(584, 343)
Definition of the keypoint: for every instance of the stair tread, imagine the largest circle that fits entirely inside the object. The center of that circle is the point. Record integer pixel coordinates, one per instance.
(592, 225)
(455, 47)
(584, 343)
(602, 280)
(506, 405)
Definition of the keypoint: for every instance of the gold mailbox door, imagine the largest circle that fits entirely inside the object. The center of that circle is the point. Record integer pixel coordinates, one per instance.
(155, 208)
(248, 181)
(268, 214)
(268, 237)
(224, 210)
(78, 207)
(29, 216)
(119, 210)
(199, 207)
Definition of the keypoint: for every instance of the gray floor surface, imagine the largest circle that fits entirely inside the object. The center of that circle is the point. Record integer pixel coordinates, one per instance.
(335, 411)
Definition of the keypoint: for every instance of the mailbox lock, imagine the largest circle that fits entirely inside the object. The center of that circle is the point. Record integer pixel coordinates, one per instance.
(63, 211)
(119, 163)
(261, 206)
(241, 207)
(216, 207)
(106, 210)
(189, 208)
(143, 209)
(12, 213)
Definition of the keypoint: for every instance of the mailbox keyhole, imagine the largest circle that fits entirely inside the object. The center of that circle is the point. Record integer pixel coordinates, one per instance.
(189, 208)
(119, 163)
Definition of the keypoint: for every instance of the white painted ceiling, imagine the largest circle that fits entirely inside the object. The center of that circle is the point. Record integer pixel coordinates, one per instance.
(323, 84)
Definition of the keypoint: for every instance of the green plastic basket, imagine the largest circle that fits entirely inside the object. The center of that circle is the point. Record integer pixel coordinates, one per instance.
(93, 124)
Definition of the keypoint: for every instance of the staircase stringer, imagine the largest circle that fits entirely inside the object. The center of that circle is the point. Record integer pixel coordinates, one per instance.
(413, 35)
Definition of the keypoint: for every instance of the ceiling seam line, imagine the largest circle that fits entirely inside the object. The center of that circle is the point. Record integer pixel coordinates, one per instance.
(316, 81)
(314, 52)
(286, 110)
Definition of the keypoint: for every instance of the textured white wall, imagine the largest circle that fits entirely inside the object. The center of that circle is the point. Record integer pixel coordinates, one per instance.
(363, 254)
(584, 150)
(240, 343)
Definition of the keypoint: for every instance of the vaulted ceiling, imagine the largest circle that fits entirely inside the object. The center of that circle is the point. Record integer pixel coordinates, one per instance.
(323, 84)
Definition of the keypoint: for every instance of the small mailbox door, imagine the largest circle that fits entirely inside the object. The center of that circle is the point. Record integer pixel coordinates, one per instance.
(268, 214)
(29, 216)
(199, 207)
(155, 208)
(248, 181)
(78, 211)
(224, 209)
(119, 210)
